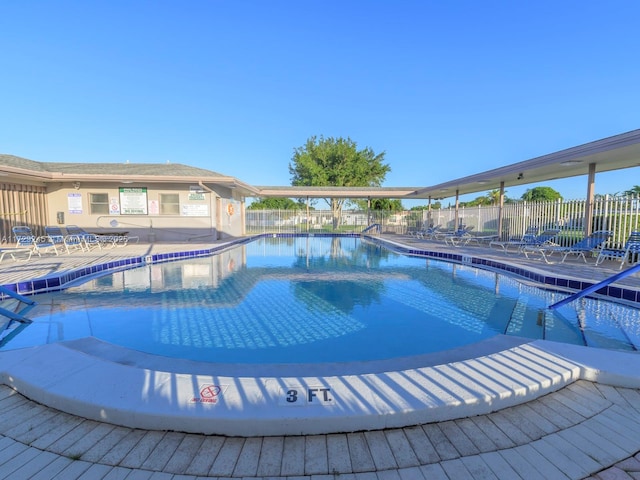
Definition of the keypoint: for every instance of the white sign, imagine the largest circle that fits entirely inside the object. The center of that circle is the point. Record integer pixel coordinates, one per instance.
(195, 210)
(133, 201)
(114, 206)
(74, 201)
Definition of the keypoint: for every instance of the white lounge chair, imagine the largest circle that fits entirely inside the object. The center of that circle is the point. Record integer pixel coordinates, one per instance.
(630, 254)
(26, 239)
(589, 244)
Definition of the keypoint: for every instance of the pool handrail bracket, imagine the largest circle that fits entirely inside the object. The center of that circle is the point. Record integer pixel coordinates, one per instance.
(597, 286)
(17, 314)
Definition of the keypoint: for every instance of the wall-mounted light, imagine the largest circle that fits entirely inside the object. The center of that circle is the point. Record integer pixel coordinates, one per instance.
(76, 185)
(520, 176)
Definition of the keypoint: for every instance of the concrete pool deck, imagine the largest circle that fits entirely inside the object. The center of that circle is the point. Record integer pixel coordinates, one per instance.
(535, 409)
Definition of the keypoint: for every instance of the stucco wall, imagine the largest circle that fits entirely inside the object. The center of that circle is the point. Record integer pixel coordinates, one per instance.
(203, 215)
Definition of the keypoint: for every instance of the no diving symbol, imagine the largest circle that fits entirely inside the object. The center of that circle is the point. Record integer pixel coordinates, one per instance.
(208, 394)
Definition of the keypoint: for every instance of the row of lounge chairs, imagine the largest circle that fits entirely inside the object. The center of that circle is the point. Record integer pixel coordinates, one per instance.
(460, 237)
(56, 240)
(545, 244)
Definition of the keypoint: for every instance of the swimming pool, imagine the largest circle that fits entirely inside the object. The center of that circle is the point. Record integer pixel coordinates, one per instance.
(315, 300)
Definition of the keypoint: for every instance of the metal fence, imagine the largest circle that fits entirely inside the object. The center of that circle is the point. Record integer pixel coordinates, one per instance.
(620, 215)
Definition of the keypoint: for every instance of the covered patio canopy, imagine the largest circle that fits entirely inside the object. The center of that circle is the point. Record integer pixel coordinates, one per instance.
(612, 153)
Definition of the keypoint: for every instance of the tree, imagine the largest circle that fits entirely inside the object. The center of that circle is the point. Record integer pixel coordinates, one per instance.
(437, 205)
(336, 162)
(494, 196)
(275, 203)
(393, 205)
(541, 194)
(633, 192)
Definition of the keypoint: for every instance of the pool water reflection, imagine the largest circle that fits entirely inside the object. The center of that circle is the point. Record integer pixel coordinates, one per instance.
(311, 300)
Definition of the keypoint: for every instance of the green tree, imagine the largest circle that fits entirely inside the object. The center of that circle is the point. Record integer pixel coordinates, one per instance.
(275, 203)
(494, 196)
(633, 192)
(541, 194)
(434, 206)
(391, 204)
(336, 162)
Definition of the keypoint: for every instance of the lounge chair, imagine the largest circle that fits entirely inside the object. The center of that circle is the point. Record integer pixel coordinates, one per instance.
(630, 254)
(100, 240)
(69, 242)
(459, 237)
(589, 244)
(12, 251)
(481, 239)
(26, 239)
(545, 240)
(529, 238)
(429, 233)
(88, 240)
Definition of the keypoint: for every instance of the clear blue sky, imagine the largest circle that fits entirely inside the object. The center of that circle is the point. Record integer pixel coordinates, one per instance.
(445, 88)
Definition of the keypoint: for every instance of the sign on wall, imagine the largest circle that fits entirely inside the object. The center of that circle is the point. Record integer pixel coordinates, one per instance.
(195, 210)
(133, 201)
(114, 206)
(196, 193)
(74, 202)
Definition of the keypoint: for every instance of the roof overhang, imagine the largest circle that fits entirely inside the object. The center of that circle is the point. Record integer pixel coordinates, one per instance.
(337, 192)
(211, 183)
(611, 153)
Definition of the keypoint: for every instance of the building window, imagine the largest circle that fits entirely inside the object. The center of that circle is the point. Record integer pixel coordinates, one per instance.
(169, 204)
(99, 203)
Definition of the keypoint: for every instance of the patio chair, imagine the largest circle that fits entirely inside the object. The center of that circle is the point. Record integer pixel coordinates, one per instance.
(529, 238)
(459, 237)
(629, 254)
(69, 242)
(545, 239)
(92, 240)
(88, 240)
(429, 233)
(592, 243)
(26, 239)
(12, 251)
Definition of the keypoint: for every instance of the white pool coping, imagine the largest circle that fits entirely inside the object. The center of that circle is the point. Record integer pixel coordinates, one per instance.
(129, 394)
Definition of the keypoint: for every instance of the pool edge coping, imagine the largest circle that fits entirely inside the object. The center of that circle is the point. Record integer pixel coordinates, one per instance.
(90, 387)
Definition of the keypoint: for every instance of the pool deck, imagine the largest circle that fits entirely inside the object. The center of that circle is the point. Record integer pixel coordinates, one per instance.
(509, 409)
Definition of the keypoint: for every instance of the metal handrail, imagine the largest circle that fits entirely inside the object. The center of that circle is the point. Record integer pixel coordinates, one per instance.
(373, 226)
(596, 287)
(16, 315)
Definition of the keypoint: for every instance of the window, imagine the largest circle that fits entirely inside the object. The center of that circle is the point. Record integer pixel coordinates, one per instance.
(169, 204)
(99, 203)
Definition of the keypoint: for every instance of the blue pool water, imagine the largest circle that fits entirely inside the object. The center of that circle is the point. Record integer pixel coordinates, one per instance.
(315, 299)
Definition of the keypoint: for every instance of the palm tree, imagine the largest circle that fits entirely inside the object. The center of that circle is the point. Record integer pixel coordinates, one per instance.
(634, 192)
(494, 196)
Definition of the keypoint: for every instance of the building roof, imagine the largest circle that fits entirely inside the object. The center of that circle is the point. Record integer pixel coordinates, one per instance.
(118, 173)
(150, 169)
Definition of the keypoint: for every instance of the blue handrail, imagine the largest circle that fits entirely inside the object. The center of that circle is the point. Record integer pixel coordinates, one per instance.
(373, 226)
(597, 286)
(17, 315)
